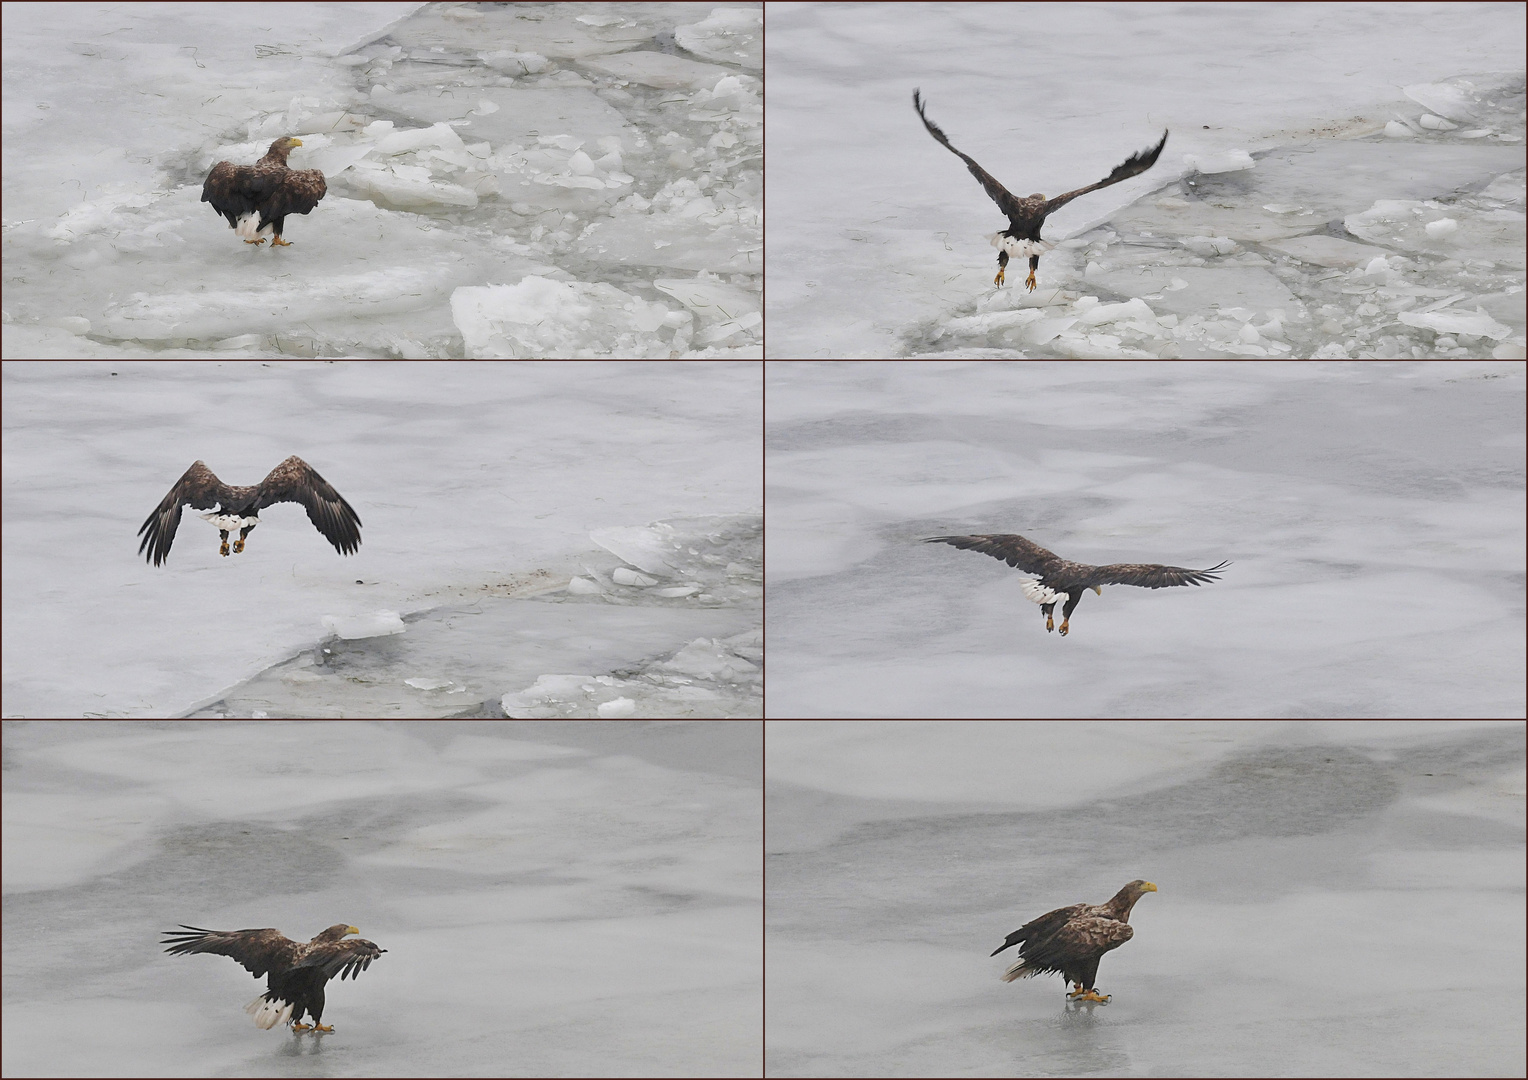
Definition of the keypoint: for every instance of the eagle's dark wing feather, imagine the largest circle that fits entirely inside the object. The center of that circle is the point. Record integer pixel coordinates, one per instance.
(1151, 575)
(347, 959)
(258, 950)
(1010, 547)
(1011, 206)
(271, 189)
(1041, 928)
(198, 487)
(294, 480)
(1133, 166)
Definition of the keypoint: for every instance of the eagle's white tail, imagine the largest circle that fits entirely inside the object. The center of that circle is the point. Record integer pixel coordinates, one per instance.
(268, 1013)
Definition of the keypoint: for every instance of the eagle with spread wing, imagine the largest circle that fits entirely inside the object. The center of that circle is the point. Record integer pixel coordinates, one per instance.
(298, 970)
(1060, 581)
(1025, 216)
(257, 198)
(294, 481)
(1072, 940)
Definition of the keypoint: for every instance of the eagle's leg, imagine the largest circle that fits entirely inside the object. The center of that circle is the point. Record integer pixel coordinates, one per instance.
(223, 535)
(257, 243)
(299, 1028)
(238, 545)
(318, 1028)
(1034, 264)
(1064, 622)
(1050, 623)
(276, 241)
(1002, 266)
(1091, 994)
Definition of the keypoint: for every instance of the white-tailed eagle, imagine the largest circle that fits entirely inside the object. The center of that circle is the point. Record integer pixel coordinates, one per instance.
(1025, 216)
(298, 970)
(1072, 940)
(294, 481)
(257, 198)
(1061, 581)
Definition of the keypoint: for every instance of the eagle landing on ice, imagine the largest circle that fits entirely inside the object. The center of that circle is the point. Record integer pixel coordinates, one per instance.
(1059, 581)
(294, 481)
(1025, 216)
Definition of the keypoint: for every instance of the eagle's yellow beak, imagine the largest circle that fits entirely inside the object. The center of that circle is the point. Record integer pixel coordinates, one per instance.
(357, 929)
(1146, 888)
(298, 142)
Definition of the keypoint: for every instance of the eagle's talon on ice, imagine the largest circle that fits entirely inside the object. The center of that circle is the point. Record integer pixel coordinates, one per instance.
(998, 281)
(1030, 281)
(224, 549)
(238, 547)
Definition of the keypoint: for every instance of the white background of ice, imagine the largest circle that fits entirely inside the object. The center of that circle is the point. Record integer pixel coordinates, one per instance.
(556, 899)
(465, 476)
(873, 226)
(1373, 514)
(1335, 899)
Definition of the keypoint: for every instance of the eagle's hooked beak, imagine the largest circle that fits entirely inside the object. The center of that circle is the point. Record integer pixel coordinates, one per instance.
(1098, 589)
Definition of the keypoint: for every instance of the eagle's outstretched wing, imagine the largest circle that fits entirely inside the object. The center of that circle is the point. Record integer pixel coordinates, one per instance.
(1151, 575)
(1010, 547)
(1005, 199)
(294, 480)
(258, 950)
(200, 488)
(1133, 166)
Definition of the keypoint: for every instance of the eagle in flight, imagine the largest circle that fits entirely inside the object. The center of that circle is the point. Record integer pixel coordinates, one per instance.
(1025, 216)
(294, 481)
(1060, 581)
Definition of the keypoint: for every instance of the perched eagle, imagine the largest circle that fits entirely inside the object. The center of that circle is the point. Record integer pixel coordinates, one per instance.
(1072, 940)
(298, 970)
(1025, 216)
(1060, 580)
(239, 508)
(257, 198)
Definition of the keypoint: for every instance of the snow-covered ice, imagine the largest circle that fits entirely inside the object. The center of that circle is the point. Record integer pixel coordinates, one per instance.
(555, 898)
(498, 501)
(1373, 515)
(1334, 899)
(1294, 131)
(504, 180)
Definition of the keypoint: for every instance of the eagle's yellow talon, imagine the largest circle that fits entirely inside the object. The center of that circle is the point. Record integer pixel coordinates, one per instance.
(1030, 281)
(999, 279)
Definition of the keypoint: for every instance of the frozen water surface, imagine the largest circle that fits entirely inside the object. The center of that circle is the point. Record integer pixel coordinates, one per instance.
(1341, 181)
(504, 180)
(1334, 899)
(1373, 516)
(540, 540)
(555, 899)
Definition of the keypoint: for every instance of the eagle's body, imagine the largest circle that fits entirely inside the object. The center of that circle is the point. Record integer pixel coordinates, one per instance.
(238, 508)
(257, 198)
(1060, 581)
(298, 970)
(1025, 216)
(1072, 940)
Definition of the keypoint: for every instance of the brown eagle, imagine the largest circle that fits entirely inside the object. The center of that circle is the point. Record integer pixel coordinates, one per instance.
(294, 481)
(1072, 940)
(298, 970)
(1062, 581)
(1025, 216)
(257, 198)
